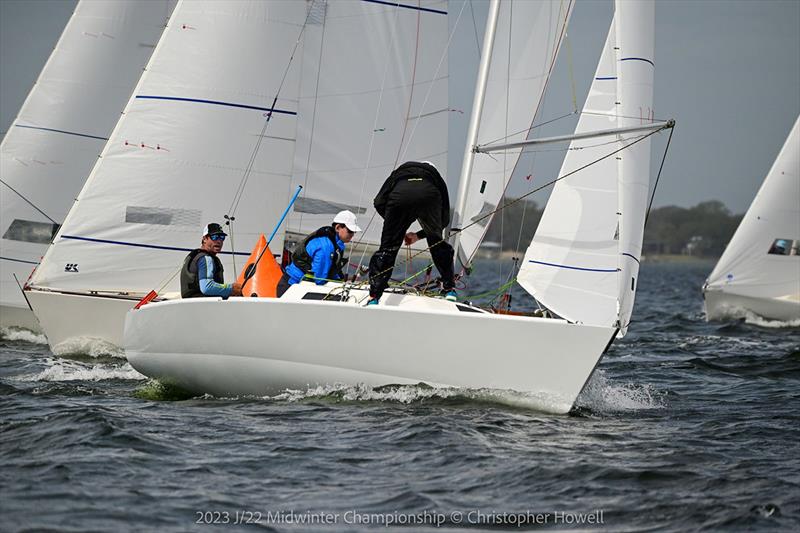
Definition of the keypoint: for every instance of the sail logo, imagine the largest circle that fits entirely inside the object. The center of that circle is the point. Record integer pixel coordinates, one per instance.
(71, 267)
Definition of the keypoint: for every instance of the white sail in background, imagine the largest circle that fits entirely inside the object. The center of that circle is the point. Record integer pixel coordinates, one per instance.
(181, 150)
(636, 43)
(526, 44)
(373, 95)
(760, 268)
(64, 123)
(571, 265)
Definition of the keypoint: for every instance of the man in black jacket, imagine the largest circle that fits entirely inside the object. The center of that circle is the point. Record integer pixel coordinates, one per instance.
(414, 191)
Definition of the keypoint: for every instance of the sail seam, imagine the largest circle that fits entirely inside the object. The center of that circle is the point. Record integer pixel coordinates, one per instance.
(215, 102)
(62, 131)
(18, 260)
(139, 245)
(405, 6)
(574, 267)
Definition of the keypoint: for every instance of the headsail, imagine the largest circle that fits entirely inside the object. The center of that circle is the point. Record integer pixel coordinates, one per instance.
(54, 141)
(524, 51)
(571, 264)
(583, 262)
(182, 149)
(755, 263)
(373, 95)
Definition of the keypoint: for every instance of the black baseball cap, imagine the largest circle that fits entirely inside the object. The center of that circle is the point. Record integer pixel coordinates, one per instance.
(213, 229)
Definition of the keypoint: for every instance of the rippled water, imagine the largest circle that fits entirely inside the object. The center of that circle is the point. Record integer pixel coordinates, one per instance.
(685, 426)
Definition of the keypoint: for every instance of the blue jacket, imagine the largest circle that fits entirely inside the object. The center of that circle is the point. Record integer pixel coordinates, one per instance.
(320, 249)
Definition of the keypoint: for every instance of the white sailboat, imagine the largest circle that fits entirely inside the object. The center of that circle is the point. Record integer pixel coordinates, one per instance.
(175, 161)
(759, 271)
(62, 127)
(261, 350)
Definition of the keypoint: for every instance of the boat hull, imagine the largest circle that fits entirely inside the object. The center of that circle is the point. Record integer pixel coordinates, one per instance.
(720, 305)
(263, 346)
(64, 317)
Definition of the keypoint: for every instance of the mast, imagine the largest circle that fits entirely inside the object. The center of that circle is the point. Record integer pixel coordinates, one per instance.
(477, 109)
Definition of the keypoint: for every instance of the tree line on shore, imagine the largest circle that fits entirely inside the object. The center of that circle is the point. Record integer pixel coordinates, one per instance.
(703, 230)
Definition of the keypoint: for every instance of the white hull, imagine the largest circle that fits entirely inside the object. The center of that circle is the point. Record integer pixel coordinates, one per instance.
(261, 346)
(20, 317)
(720, 305)
(64, 317)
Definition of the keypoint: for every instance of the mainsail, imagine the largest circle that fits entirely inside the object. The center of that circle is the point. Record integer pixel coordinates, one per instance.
(526, 43)
(762, 260)
(64, 123)
(219, 84)
(373, 95)
(584, 259)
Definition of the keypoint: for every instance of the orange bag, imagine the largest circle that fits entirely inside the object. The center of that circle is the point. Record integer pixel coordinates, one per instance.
(264, 282)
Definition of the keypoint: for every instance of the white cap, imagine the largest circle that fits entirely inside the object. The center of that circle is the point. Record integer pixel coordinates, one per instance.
(212, 229)
(348, 218)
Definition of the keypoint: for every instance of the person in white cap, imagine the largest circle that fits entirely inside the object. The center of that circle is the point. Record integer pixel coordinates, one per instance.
(320, 257)
(202, 273)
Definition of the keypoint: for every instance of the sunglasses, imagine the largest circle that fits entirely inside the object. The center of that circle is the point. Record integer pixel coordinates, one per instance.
(217, 237)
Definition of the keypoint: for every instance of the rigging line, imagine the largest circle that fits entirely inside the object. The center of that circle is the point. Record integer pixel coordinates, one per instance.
(563, 177)
(411, 93)
(658, 176)
(637, 117)
(533, 127)
(551, 182)
(29, 202)
(248, 169)
(367, 163)
(314, 111)
(433, 79)
(563, 20)
(475, 27)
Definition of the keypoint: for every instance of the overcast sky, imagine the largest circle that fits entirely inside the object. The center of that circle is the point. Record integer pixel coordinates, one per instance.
(728, 71)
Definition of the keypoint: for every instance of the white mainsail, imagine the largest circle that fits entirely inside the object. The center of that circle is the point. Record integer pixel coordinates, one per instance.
(374, 94)
(571, 265)
(61, 128)
(181, 150)
(757, 271)
(584, 259)
(526, 44)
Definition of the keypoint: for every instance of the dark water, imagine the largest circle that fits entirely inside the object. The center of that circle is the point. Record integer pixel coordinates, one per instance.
(686, 426)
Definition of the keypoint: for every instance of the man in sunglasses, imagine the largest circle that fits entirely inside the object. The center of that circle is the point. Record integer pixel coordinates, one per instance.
(320, 257)
(202, 273)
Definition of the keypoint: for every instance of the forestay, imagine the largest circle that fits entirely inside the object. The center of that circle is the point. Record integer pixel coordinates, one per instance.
(181, 150)
(747, 267)
(55, 139)
(373, 95)
(525, 48)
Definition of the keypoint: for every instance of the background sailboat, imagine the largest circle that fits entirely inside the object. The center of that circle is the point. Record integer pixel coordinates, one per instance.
(450, 344)
(759, 272)
(62, 127)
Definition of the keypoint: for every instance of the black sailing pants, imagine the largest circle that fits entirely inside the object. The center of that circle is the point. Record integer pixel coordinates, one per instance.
(411, 200)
